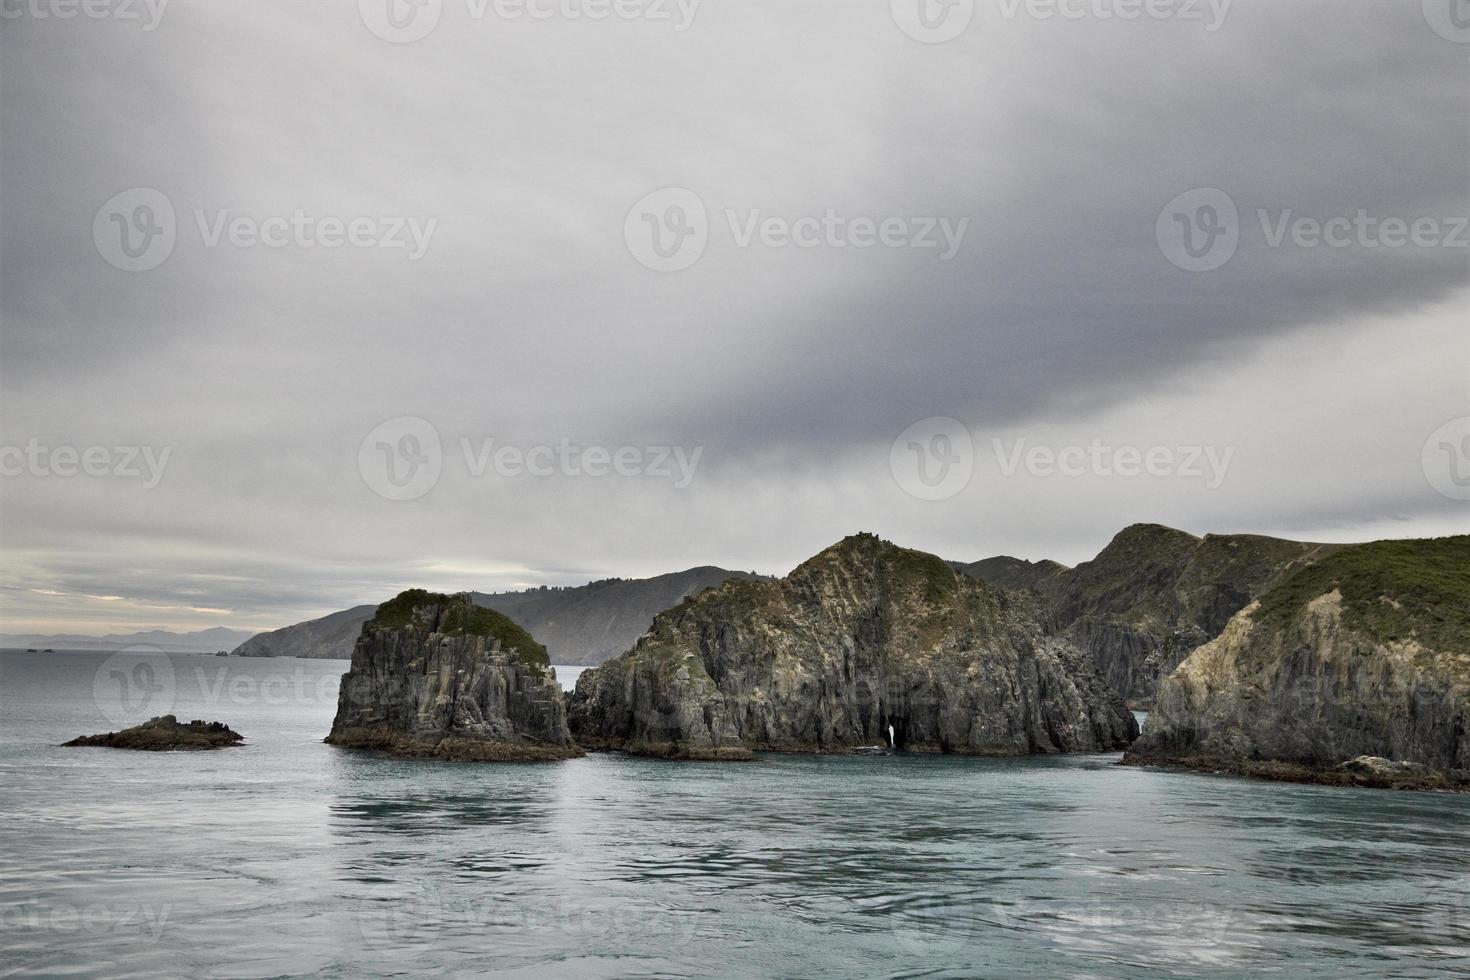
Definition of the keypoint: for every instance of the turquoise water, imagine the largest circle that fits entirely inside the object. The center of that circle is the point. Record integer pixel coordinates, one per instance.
(290, 858)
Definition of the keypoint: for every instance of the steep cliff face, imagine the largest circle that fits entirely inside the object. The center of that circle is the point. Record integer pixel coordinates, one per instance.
(1154, 594)
(862, 637)
(435, 676)
(1366, 653)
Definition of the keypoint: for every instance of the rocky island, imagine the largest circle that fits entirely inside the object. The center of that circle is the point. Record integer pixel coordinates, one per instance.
(164, 734)
(863, 640)
(1355, 670)
(437, 677)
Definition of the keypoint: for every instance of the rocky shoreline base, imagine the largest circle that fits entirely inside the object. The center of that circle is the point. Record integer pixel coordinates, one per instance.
(400, 746)
(1369, 772)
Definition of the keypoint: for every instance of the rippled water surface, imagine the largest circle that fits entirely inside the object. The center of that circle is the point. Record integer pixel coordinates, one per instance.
(290, 858)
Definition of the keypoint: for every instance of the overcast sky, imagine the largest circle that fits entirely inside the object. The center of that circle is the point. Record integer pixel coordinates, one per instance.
(1001, 251)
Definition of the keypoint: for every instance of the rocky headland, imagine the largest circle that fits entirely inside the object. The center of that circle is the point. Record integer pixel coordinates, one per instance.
(1154, 595)
(165, 734)
(1354, 670)
(438, 677)
(863, 638)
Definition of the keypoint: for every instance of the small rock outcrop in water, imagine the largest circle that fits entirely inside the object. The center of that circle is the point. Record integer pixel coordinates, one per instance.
(437, 677)
(862, 637)
(1355, 670)
(165, 734)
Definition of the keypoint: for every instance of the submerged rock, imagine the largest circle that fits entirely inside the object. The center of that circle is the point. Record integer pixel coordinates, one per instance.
(437, 677)
(863, 637)
(1361, 658)
(165, 734)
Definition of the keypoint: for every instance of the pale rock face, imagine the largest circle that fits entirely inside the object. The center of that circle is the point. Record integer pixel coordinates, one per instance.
(1315, 692)
(862, 637)
(425, 689)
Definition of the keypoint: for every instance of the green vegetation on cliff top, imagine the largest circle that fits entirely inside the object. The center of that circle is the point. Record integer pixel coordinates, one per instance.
(1392, 590)
(461, 618)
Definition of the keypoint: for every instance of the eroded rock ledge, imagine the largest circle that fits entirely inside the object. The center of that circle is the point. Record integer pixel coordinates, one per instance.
(165, 734)
(862, 638)
(1352, 662)
(437, 677)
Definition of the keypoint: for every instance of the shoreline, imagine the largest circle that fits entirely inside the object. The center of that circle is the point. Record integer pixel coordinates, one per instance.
(1417, 780)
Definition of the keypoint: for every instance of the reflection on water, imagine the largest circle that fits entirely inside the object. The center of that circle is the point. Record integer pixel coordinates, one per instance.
(290, 858)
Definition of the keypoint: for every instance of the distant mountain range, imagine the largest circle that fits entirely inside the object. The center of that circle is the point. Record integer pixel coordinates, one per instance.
(580, 626)
(203, 641)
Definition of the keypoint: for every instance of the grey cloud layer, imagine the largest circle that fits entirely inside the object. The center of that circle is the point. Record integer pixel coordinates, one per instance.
(528, 320)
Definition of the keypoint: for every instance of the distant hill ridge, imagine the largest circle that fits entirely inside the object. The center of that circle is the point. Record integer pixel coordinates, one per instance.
(202, 641)
(580, 625)
(1154, 594)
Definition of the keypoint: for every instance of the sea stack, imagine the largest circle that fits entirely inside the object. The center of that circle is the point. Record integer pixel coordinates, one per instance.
(1354, 670)
(437, 677)
(863, 639)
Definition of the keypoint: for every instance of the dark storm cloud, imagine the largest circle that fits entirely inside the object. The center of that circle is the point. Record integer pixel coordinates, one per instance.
(527, 319)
